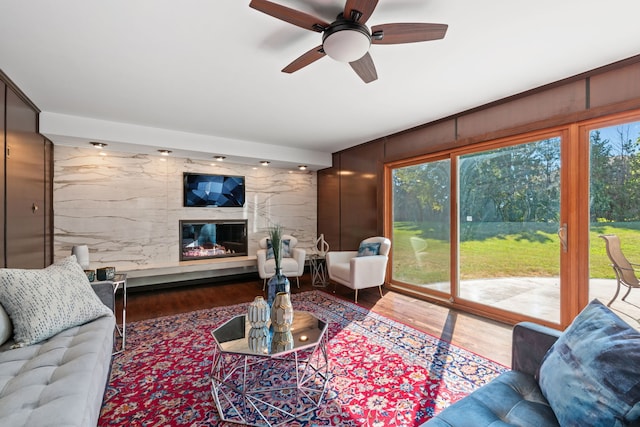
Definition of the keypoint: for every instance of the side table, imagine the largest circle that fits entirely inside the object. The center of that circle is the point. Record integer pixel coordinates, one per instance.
(119, 282)
(318, 266)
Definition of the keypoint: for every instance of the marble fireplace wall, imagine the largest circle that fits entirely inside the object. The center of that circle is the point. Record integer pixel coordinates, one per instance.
(127, 207)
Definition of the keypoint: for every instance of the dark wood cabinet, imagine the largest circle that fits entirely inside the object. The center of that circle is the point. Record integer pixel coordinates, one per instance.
(26, 190)
(2, 179)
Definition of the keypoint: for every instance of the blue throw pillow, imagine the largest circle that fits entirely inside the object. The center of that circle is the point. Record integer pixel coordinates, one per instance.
(286, 249)
(269, 249)
(369, 249)
(591, 375)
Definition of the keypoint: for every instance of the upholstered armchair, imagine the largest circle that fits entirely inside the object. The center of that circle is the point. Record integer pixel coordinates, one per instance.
(292, 261)
(364, 268)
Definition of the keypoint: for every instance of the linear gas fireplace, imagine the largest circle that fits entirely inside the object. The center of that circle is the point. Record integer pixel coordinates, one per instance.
(203, 239)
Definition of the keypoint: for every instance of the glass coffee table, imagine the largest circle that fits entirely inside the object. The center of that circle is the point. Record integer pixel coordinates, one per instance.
(272, 384)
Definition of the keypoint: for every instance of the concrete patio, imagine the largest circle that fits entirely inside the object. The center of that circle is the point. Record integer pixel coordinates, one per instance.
(540, 297)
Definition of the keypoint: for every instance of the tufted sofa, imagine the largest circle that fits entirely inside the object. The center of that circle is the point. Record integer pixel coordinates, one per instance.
(61, 380)
(588, 375)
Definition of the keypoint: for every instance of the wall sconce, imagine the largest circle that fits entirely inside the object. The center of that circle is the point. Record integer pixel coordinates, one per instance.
(265, 163)
(219, 158)
(164, 152)
(98, 145)
(302, 167)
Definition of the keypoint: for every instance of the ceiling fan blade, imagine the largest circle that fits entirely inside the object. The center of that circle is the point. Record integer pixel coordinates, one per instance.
(365, 69)
(364, 9)
(289, 15)
(407, 33)
(305, 59)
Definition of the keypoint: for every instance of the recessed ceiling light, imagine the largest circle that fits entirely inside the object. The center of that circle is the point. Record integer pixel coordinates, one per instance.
(265, 163)
(302, 167)
(219, 158)
(98, 145)
(164, 152)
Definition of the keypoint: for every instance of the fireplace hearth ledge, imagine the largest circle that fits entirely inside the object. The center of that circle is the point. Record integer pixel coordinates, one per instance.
(191, 270)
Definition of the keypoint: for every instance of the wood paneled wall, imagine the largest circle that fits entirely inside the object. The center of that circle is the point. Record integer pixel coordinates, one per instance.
(360, 195)
(357, 172)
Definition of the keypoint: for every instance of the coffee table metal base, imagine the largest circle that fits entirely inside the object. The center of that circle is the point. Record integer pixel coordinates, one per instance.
(269, 390)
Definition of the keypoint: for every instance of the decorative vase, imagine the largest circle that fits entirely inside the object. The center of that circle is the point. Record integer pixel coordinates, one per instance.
(82, 255)
(258, 313)
(277, 283)
(281, 341)
(321, 245)
(282, 312)
(259, 340)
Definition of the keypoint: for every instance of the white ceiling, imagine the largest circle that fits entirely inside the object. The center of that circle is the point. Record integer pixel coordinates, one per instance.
(202, 77)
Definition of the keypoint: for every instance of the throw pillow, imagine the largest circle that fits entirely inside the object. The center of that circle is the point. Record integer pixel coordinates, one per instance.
(6, 328)
(269, 250)
(590, 376)
(286, 249)
(43, 302)
(369, 249)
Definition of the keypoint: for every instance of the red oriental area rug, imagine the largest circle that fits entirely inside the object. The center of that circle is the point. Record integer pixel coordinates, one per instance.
(383, 373)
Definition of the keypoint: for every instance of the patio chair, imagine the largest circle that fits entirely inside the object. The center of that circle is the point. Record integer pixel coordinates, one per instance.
(625, 271)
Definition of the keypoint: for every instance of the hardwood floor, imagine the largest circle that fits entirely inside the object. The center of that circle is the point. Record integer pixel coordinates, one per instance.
(482, 336)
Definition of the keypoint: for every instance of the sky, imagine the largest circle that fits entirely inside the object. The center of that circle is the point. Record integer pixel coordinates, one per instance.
(611, 133)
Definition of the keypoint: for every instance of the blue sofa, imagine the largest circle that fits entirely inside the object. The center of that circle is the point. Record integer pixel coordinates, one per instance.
(588, 375)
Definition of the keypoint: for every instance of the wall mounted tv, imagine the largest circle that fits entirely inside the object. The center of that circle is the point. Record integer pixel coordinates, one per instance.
(213, 190)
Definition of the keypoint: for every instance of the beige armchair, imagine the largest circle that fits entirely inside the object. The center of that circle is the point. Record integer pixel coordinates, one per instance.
(360, 269)
(292, 266)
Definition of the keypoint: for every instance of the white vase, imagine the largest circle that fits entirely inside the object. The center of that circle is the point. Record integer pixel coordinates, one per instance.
(259, 340)
(258, 313)
(82, 255)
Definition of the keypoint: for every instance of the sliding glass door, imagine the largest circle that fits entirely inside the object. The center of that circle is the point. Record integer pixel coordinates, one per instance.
(614, 211)
(421, 216)
(481, 227)
(515, 229)
(509, 217)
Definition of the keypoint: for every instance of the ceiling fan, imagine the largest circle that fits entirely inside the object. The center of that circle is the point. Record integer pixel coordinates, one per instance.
(347, 39)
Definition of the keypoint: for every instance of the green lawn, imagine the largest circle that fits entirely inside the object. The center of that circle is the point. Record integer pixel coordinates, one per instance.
(501, 250)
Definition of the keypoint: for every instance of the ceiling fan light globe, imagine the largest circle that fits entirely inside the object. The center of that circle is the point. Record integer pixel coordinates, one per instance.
(346, 45)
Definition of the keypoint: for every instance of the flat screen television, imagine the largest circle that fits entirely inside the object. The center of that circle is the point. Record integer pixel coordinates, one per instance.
(213, 190)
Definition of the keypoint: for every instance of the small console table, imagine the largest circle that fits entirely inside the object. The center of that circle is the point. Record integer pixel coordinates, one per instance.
(119, 283)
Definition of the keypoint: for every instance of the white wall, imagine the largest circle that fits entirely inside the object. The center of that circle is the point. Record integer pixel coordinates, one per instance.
(126, 207)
